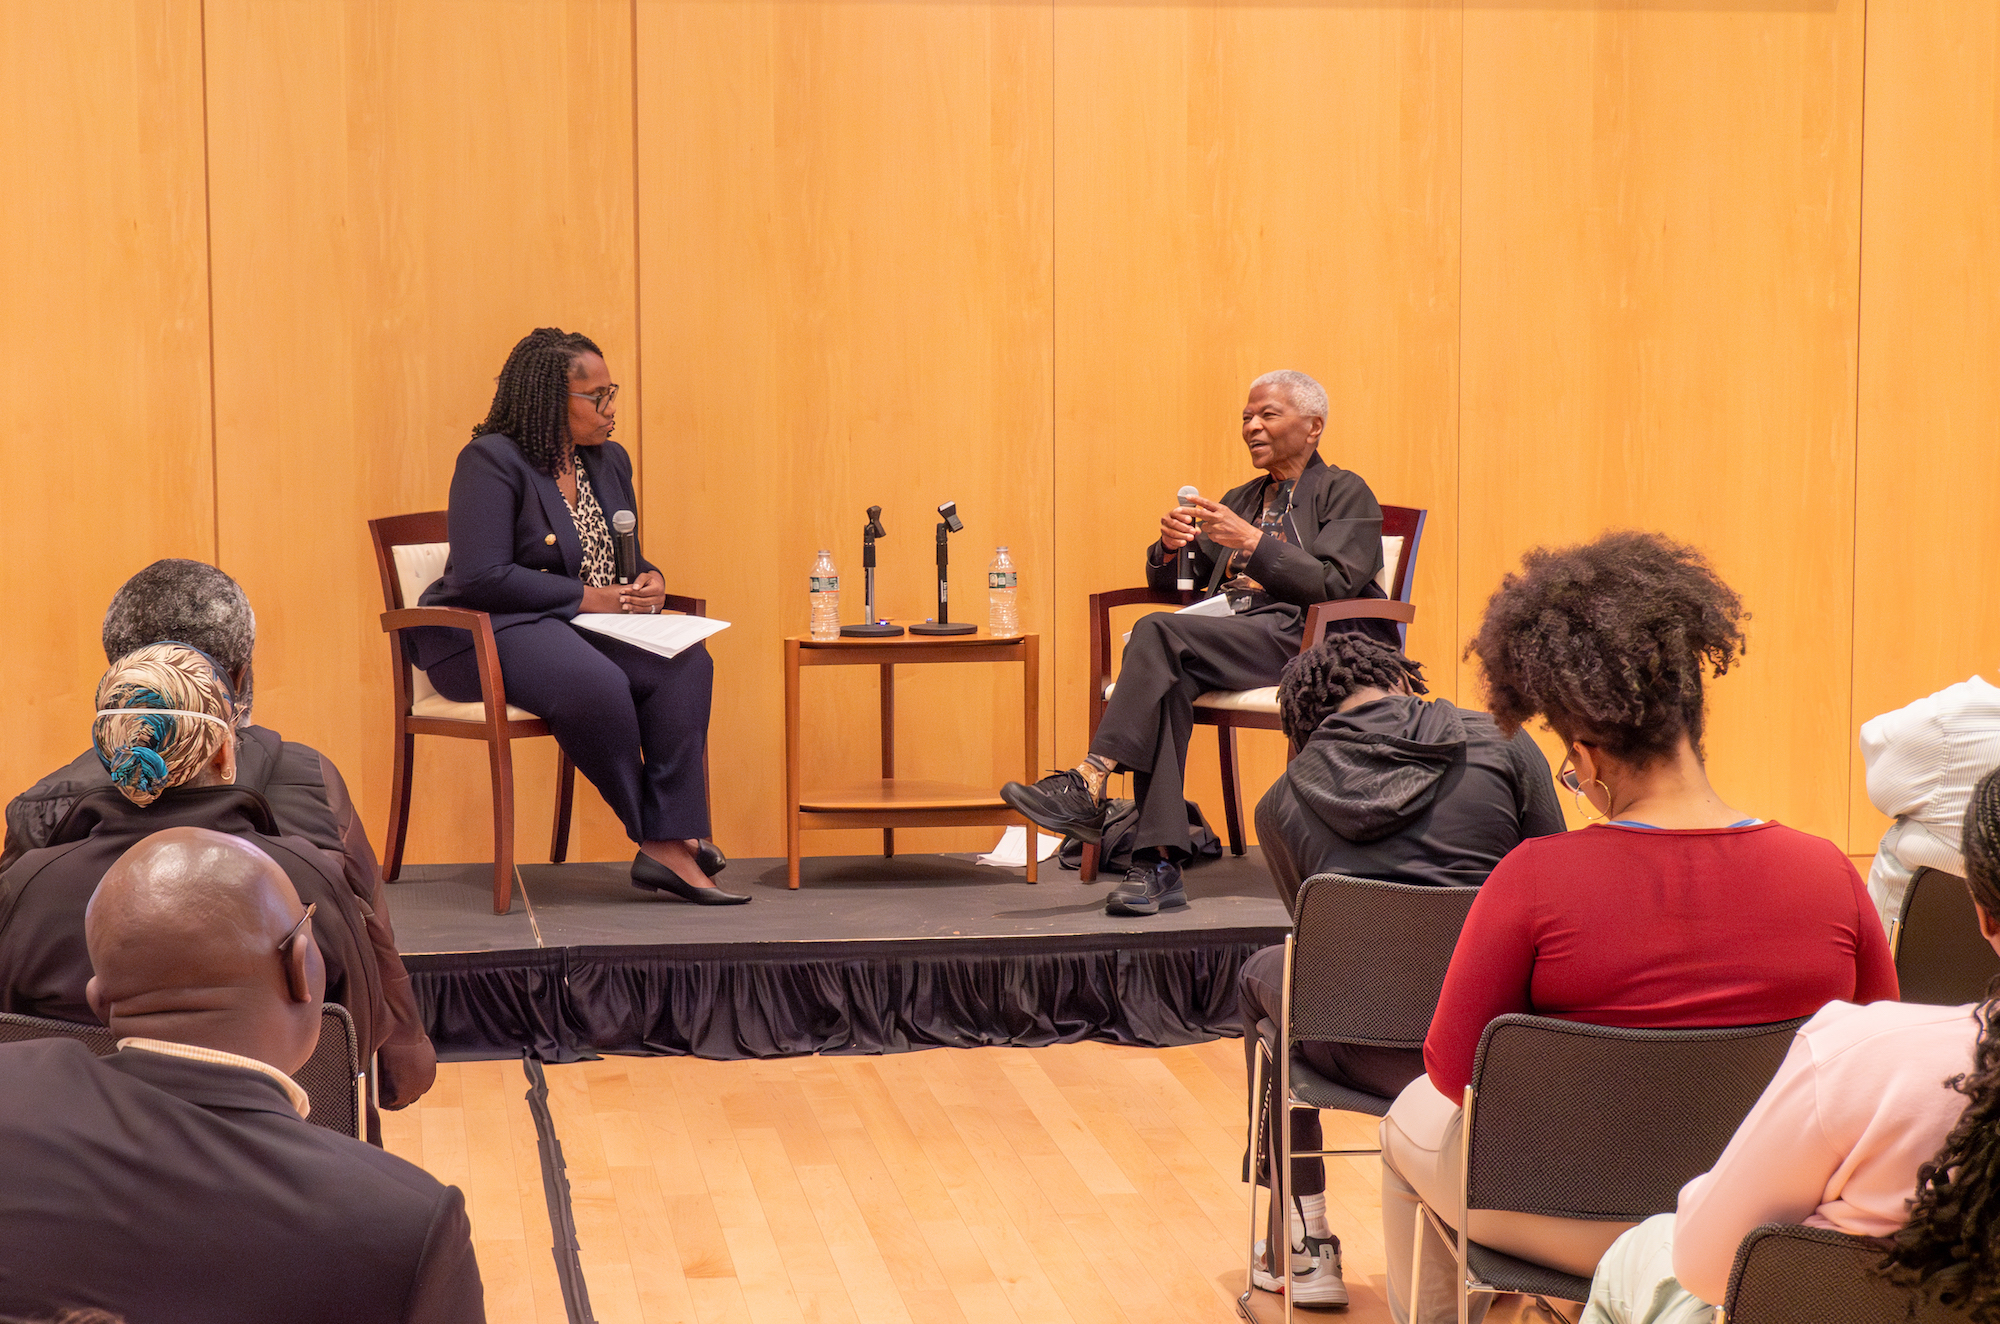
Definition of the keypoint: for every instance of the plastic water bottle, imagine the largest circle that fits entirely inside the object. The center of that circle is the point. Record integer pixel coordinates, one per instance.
(1003, 617)
(825, 590)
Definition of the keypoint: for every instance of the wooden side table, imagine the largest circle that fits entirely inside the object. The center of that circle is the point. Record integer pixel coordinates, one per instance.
(894, 802)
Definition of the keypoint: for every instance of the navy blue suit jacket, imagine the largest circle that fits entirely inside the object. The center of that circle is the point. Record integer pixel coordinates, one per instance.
(503, 511)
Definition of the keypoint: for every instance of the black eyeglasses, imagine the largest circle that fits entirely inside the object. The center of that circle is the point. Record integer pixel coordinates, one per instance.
(601, 397)
(285, 943)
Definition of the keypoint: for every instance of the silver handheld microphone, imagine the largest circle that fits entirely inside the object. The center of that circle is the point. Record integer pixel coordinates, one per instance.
(1184, 573)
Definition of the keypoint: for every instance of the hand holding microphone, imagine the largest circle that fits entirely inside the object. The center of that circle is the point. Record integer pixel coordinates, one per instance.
(640, 593)
(1177, 528)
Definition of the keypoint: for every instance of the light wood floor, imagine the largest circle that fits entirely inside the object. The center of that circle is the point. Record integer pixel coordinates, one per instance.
(1078, 1184)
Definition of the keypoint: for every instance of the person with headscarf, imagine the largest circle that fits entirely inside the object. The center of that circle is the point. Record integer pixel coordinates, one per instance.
(165, 735)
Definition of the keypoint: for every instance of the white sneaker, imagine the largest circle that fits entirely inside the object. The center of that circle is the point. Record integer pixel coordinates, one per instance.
(1316, 1279)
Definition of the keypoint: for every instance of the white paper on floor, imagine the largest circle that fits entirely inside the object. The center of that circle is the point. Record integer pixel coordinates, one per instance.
(1012, 852)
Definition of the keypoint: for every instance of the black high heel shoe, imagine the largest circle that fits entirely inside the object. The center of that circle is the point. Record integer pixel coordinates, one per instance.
(649, 875)
(708, 857)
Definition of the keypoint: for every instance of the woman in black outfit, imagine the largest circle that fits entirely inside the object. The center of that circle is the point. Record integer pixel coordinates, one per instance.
(531, 545)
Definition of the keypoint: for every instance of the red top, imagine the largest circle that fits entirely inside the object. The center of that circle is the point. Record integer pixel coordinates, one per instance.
(1655, 929)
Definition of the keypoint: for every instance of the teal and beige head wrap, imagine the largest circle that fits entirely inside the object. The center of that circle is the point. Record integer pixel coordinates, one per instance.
(162, 713)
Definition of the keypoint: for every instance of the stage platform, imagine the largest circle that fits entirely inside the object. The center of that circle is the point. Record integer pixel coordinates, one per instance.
(871, 955)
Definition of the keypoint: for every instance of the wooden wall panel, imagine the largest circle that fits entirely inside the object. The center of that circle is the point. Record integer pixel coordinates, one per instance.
(844, 294)
(1927, 557)
(400, 191)
(1241, 189)
(104, 306)
(1661, 216)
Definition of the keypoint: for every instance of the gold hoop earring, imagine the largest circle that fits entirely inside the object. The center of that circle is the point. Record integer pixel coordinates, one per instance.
(1585, 808)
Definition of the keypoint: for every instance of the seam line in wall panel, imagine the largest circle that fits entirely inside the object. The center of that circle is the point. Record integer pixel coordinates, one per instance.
(638, 341)
(208, 276)
(1854, 519)
(1458, 623)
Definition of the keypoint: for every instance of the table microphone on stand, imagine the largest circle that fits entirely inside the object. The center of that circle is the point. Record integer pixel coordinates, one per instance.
(947, 526)
(870, 628)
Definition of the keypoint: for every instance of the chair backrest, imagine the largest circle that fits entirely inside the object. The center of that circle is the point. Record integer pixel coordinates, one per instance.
(15, 1027)
(1368, 958)
(1941, 958)
(1595, 1122)
(1402, 535)
(331, 1077)
(410, 553)
(1788, 1274)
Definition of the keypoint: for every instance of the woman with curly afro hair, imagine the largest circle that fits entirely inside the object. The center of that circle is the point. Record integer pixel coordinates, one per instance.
(1872, 1104)
(1670, 910)
(533, 501)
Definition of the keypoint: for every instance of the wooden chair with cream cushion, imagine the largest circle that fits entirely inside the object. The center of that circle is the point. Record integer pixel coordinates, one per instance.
(1229, 711)
(410, 552)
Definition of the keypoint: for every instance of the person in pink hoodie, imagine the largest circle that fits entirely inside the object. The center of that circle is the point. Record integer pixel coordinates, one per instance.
(1884, 1121)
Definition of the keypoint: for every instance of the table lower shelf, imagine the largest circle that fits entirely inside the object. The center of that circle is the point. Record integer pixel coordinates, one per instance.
(896, 797)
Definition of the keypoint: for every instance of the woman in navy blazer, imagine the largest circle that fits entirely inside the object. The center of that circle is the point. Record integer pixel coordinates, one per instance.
(531, 545)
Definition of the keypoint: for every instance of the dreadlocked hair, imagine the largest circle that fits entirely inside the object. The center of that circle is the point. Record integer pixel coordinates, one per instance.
(1318, 681)
(1951, 1245)
(1608, 641)
(531, 396)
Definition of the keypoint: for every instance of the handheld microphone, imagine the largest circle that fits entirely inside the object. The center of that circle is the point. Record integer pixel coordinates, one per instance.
(1184, 559)
(625, 546)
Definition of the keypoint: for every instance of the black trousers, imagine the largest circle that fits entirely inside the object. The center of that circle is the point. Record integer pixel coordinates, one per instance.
(1171, 661)
(633, 722)
(1260, 992)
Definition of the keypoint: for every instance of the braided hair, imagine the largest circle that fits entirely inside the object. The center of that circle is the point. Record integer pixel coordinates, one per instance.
(146, 752)
(531, 396)
(1608, 641)
(1318, 681)
(1951, 1245)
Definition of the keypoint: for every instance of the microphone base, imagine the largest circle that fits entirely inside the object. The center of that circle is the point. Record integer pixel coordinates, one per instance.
(872, 630)
(944, 627)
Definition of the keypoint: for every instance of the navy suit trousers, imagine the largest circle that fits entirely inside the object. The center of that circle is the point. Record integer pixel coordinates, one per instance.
(633, 722)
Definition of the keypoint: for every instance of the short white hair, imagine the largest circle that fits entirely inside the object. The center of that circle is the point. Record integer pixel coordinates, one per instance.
(1307, 395)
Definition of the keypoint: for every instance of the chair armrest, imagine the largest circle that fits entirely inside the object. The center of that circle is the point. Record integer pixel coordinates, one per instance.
(456, 618)
(492, 688)
(1101, 605)
(685, 605)
(1322, 614)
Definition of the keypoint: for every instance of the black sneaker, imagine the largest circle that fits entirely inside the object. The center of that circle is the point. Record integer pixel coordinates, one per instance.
(1061, 804)
(1147, 890)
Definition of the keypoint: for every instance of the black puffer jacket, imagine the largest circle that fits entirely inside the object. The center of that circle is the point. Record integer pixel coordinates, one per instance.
(1405, 791)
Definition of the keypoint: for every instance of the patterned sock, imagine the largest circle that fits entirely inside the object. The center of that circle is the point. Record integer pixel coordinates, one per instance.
(1095, 773)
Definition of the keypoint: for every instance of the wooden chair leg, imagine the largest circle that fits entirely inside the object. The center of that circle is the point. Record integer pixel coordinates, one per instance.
(501, 754)
(565, 789)
(1087, 867)
(399, 803)
(1232, 809)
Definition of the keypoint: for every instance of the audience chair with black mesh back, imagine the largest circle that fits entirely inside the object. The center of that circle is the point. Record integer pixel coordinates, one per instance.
(1230, 711)
(1591, 1122)
(1941, 957)
(1788, 1274)
(331, 1077)
(1364, 964)
(15, 1028)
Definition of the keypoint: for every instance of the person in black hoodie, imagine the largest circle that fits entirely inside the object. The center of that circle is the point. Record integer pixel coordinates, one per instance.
(1385, 786)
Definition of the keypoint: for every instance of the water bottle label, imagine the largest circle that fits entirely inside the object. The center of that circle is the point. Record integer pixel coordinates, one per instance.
(1001, 579)
(825, 584)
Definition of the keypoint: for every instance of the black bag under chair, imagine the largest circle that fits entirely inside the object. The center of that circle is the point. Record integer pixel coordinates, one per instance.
(1121, 824)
